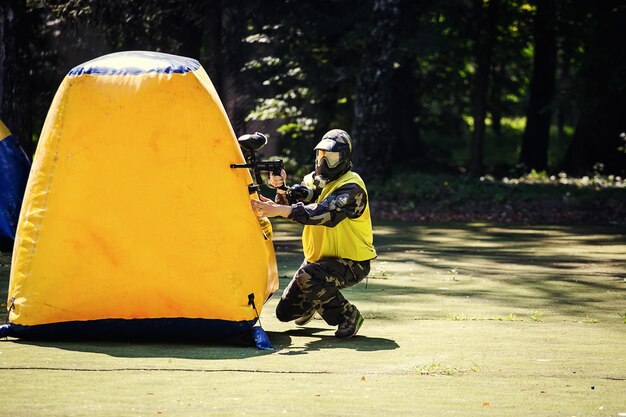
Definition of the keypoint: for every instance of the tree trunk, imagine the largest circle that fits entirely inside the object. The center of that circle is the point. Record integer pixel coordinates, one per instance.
(372, 131)
(496, 99)
(14, 72)
(408, 149)
(597, 138)
(227, 26)
(563, 108)
(215, 22)
(484, 49)
(534, 154)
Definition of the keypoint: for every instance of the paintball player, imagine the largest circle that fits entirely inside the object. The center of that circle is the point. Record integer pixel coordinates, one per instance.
(331, 203)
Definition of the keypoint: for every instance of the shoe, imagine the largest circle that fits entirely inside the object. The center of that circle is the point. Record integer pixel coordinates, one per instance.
(301, 321)
(351, 326)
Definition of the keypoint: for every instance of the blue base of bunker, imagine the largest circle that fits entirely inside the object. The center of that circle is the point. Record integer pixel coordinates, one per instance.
(178, 330)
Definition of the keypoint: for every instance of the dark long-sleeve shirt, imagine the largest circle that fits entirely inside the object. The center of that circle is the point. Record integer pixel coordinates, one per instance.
(347, 201)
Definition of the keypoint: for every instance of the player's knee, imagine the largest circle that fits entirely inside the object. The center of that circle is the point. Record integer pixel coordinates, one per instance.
(304, 280)
(282, 312)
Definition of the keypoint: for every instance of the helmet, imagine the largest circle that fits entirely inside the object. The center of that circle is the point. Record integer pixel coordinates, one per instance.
(332, 155)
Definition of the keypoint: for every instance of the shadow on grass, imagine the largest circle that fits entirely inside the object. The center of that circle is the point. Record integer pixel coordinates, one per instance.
(530, 264)
(527, 263)
(230, 349)
(358, 343)
(234, 348)
(520, 266)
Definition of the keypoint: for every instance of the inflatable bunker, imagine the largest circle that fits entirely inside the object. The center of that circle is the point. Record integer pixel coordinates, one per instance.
(133, 224)
(14, 167)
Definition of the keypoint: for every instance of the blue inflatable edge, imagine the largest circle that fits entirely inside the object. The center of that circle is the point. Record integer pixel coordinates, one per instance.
(135, 63)
(163, 329)
(260, 338)
(14, 169)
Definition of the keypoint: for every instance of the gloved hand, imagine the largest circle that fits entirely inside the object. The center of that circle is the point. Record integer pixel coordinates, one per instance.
(277, 181)
(264, 207)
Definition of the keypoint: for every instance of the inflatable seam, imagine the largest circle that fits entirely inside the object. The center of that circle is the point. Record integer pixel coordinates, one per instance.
(38, 220)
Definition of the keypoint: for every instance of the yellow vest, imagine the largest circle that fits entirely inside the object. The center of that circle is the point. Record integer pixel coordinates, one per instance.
(350, 239)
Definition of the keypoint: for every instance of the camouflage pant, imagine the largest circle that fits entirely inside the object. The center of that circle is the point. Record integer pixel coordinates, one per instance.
(315, 287)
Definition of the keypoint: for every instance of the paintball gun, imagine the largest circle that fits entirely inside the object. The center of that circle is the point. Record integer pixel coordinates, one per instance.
(250, 144)
(300, 193)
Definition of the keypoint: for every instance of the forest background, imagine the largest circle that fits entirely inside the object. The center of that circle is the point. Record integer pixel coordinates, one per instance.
(461, 109)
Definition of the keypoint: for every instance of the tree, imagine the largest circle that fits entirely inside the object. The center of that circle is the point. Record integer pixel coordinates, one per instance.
(571, 31)
(303, 68)
(225, 25)
(404, 77)
(511, 66)
(210, 31)
(372, 129)
(14, 72)
(415, 24)
(602, 88)
(534, 153)
(484, 49)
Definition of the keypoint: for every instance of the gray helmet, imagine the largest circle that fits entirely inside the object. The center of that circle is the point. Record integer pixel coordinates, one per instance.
(339, 141)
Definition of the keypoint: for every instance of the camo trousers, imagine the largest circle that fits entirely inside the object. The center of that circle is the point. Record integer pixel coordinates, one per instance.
(315, 287)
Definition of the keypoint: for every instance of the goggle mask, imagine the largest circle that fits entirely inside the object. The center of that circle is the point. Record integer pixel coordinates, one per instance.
(332, 158)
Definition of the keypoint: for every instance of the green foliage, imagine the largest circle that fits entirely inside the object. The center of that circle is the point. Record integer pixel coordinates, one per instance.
(446, 191)
(292, 67)
(622, 148)
(310, 86)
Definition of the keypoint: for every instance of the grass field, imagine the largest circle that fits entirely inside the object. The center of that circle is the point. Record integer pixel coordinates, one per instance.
(461, 319)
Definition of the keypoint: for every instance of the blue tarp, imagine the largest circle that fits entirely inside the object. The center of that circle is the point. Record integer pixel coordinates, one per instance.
(14, 169)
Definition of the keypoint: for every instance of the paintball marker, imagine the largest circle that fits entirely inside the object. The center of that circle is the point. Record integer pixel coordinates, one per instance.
(250, 144)
(300, 193)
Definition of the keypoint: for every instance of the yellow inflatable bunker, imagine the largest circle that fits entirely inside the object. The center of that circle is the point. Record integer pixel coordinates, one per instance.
(133, 223)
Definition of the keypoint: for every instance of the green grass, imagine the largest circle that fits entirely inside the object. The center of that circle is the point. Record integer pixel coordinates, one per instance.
(465, 317)
(536, 315)
(411, 357)
(436, 369)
